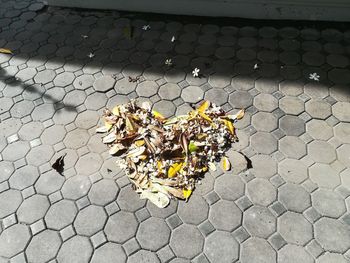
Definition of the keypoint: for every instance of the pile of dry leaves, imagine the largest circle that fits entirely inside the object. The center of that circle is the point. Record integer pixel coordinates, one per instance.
(165, 158)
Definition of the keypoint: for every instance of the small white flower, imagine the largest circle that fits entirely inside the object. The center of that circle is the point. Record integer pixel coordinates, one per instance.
(195, 72)
(173, 39)
(91, 55)
(168, 62)
(314, 76)
(84, 36)
(146, 27)
(256, 66)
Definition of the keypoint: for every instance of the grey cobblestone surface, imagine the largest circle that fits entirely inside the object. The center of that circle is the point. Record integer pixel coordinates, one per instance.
(291, 205)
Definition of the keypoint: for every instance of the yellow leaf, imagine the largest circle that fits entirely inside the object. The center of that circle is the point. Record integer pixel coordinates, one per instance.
(115, 110)
(187, 193)
(230, 126)
(240, 114)
(5, 51)
(205, 116)
(130, 125)
(139, 143)
(204, 106)
(158, 116)
(226, 165)
(174, 169)
(159, 165)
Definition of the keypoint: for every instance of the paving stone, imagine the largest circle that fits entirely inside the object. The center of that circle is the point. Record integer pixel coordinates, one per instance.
(45, 76)
(74, 98)
(340, 111)
(294, 197)
(76, 187)
(64, 79)
(125, 87)
(192, 94)
(294, 228)
(162, 212)
(43, 246)
(292, 147)
(292, 253)
(166, 108)
(263, 121)
(43, 112)
(257, 250)
(324, 175)
(143, 256)
(264, 143)
(184, 235)
(64, 116)
(109, 253)
(339, 76)
(342, 154)
(328, 203)
(221, 247)
(10, 200)
(342, 132)
(104, 84)
(90, 220)
(169, 91)
(88, 164)
(217, 96)
(24, 177)
(292, 125)
(121, 227)
(40, 155)
(147, 88)
(264, 166)
(194, 211)
(345, 178)
(229, 187)
(240, 99)
(49, 182)
(129, 200)
(277, 241)
(103, 192)
(96, 101)
(318, 109)
(331, 257)
(60, 214)
(15, 151)
(265, 102)
(146, 231)
(76, 139)
(321, 152)
(10, 245)
(77, 249)
(225, 215)
(259, 221)
(319, 129)
(294, 171)
(332, 235)
(261, 192)
(32, 209)
(291, 105)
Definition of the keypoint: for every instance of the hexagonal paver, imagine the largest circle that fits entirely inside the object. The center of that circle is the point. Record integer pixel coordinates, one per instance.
(43, 247)
(332, 234)
(259, 221)
(263, 166)
(40, 155)
(104, 84)
(124, 86)
(49, 182)
(90, 220)
(121, 227)
(318, 109)
(33, 209)
(76, 138)
(10, 200)
(345, 178)
(74, 98)
(192, 94)
(64, 116)
(342, 132)
(291, 88)
(221, 247)
(44, 76)
(240, 99)
(217, 96)
(294, 228)
(184, 235)
(169, 91)
(129, 200)
(324, 175)
(264, 142)
(194, 211)
(6, 104)
(147, 230)
(77, 249)
(328, 203)
(265, 102)
(294, 171)
(87, 119)
(43, 112)
(96, 101)
(219, 80)
(229, 187)
(103, 192)
(319, 129)
(291, 105)
(53, 134)
(263, 121)
(225, 215)
(292, 147)
(340, 111)
(26, 74)
(76, 187)
(13, 240)
(331, 257)
(7, 170)
(109, 252)
(266, 85)
(322, 152)
(22, 108)
(257, 250)
(261, 191)
(343, 156)
(147, 88)
(24, 177)
(64, 79)
(143, 256)
(165, 107)
(292, 125)
(292, 253)
(294, 197)
(15, 151)
(60, 214)
(88, 164)
(30, 131)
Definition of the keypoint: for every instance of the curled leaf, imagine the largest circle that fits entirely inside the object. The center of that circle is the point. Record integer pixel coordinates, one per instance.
(187, 193)
(174, 169)
(5, 51)
(159, 199)
(116, 111)
(158, 116)
(226, 165)
(204, 106)
(116, 148)
(109, 138)
(102, 129)
(230, 126)
(192, 147)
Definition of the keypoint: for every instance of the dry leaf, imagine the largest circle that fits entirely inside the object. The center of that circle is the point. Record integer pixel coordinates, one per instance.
(187, 193)
(226, 165)
(116, 148)
(109, 138)
(159, 199)
(204, 106)
(212, 166)
(5, 51)
(174, 169)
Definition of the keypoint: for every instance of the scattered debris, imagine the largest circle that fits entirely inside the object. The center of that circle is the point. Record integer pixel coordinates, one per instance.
(134, 79)
(256, 66)
(5, 51)
(173, 39)
(58, 165)
(169, 62)
(91, 55)
(165, 158)
(195, 72)
(314, 76)
(146, 27)
(84, 36)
